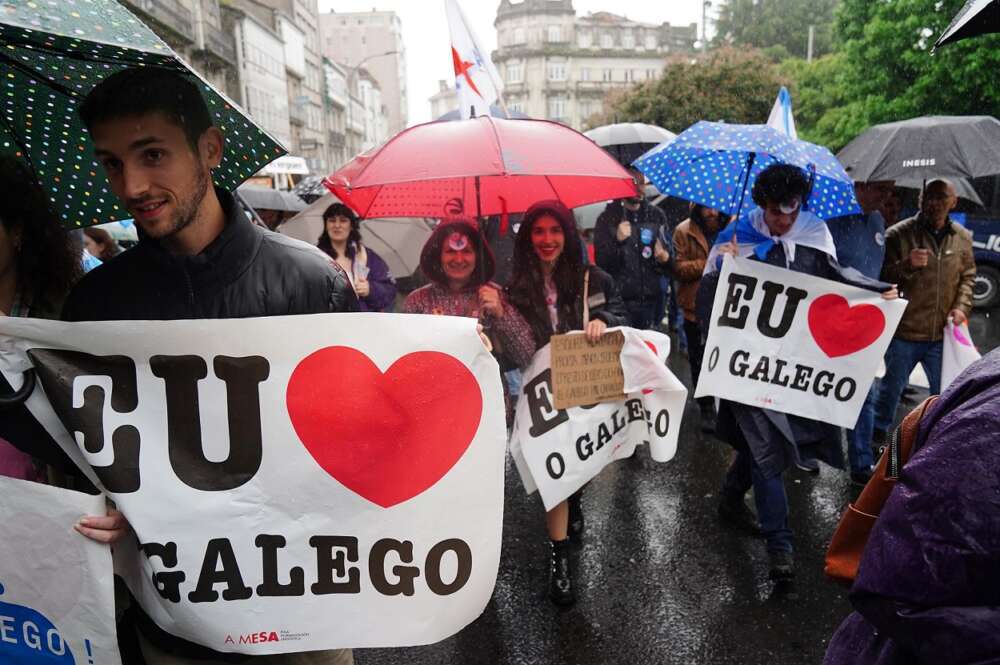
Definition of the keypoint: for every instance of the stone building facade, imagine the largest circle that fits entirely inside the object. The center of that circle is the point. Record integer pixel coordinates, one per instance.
(561, 66)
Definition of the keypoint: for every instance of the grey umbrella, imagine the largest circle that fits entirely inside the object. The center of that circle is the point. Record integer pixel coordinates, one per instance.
(977, 17)
(626, 141)
(925, 148)
(265, 198)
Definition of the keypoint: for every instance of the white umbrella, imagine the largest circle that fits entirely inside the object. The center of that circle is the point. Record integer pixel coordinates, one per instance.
(397, 240)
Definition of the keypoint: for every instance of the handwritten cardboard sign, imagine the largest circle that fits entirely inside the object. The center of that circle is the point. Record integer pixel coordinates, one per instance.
(585, 373)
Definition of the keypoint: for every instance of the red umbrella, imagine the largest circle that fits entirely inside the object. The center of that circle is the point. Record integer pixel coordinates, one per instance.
(478, 167)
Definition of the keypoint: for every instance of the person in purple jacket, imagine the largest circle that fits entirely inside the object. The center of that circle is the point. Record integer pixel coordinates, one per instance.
(928, 587)
(341, 240)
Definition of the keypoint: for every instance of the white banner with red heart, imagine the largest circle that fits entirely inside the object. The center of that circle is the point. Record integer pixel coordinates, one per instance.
(558, 451)
(294, 483)
(795, 343)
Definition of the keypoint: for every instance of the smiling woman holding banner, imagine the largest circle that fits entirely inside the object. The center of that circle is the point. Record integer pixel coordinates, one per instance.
(557, 293)
(460, 266)
(780, 233)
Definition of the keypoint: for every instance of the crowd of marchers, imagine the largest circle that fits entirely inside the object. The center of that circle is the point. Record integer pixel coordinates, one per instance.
(200, 257)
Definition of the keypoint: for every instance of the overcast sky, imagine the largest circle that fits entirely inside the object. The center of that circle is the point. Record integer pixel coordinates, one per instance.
(428, 49)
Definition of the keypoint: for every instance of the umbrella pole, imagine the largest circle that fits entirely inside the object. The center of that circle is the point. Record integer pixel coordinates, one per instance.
(746, 180)
(481, 259)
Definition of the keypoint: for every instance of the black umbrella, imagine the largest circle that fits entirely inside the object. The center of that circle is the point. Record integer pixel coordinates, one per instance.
(977, 17)
(925, 148)
(627, 141)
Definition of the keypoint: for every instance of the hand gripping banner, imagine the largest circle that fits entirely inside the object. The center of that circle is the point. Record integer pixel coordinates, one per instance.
(56, 589)
(294, 483)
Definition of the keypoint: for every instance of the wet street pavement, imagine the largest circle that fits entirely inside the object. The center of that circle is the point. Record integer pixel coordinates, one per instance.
(660, 579)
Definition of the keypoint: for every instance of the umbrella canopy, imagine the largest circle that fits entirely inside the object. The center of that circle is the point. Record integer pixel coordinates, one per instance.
(398, 241)
(52, 55)
(924, 148)
(265, 198)
(963, 188)
(495, 111)
(977, 17)
(626, 141)
(715, 164)
(478, 167)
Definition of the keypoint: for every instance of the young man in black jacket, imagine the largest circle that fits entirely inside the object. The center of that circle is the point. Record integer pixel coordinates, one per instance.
(198, 257)
(628, 247)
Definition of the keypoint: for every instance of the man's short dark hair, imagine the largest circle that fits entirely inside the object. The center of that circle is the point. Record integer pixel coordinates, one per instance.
(780, 183)
(143, 90)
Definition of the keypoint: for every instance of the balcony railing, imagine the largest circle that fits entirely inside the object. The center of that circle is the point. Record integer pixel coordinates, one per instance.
(337, 139)
(297, 114)
(168, 13)
(220, 44)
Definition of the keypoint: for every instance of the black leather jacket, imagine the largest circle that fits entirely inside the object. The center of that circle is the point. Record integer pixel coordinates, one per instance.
(246, 272)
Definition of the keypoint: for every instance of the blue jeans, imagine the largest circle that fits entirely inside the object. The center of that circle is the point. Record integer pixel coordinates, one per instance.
(900, 360)
(768, 495)
(859, 439)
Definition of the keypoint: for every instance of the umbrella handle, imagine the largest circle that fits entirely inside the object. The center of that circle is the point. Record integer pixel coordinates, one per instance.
(20, 395)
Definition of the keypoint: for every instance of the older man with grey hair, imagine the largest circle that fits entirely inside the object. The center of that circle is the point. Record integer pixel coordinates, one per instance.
(930, 258)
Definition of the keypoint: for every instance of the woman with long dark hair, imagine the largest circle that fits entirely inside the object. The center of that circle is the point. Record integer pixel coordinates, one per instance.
(38, 265)
(369, 274)
(100, 244)
(556, 293)
(460, 266)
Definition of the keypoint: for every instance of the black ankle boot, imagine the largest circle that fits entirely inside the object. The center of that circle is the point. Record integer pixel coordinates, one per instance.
(576, 523)
(560, 576)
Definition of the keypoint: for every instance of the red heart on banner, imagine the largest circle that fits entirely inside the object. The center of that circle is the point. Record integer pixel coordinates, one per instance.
(839, 329)
(385, 436)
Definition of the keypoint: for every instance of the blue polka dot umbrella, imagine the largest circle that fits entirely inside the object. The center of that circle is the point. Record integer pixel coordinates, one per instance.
(52, 53)
(715, 164)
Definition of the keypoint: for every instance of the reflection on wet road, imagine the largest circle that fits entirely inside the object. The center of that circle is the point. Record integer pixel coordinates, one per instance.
(661, 581)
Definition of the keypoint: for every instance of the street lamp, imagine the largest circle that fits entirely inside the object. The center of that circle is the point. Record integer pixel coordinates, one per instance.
(704, 24)
(352, 73)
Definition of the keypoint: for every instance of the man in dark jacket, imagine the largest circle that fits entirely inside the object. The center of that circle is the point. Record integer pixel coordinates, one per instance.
(199, 257)
(931, 259)
(626, 240)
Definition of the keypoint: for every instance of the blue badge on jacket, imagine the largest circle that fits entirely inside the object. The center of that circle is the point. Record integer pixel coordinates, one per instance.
(647, 236)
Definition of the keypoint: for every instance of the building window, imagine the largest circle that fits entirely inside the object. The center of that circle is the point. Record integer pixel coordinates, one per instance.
(584, 39)
(607, 75)
(553, 34)
(629, 74)
(651, 41)
(518, 36)
(557, 71)
(557, 108)
(628, 39)
(585, 74)
(515, 73)
(607, 41)
(650, 74)
(515, 107)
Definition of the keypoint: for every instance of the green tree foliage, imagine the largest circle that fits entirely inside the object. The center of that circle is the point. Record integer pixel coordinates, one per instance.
(727, 84)
(885, 71)
(769, 23)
